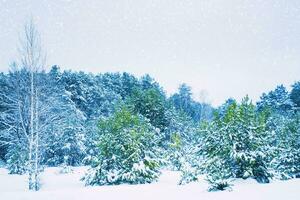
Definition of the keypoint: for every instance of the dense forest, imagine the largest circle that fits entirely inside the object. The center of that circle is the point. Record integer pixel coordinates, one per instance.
(127, 129)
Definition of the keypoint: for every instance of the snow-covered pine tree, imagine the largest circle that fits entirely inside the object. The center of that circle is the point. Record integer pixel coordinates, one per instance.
(276, 101)
(127, 151)
(295, 95)
(73, 135)
(181, 142)
(14, 96)
(151, 103)
(175, 153)
(235, 144)
(65, 138)
(285, 141)
(4, 110)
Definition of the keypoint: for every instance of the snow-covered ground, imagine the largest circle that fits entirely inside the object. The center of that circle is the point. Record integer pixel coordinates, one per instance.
(57, 186)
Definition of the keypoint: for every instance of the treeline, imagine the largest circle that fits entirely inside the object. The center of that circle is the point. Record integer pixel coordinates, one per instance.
(127, 129)
(70, 105)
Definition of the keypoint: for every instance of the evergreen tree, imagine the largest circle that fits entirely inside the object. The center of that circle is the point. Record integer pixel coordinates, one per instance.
(152, 105)
(184, 102)
(295, 94)
(277, 100)
(286, 146)
(241, 133)
(127, 151)
(66, 138)
(4, 111)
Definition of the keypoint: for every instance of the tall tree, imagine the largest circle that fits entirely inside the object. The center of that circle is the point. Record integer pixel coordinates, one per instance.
(25, 113)
(183, 101)
(33, 59)
(151, 103)
(277, 101)
(295, 94)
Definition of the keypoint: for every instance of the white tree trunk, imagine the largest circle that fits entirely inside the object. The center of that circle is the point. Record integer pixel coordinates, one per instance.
(31, 141)
(36, 165)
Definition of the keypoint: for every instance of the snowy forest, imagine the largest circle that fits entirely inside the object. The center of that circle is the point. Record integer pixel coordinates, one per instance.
(126, 129)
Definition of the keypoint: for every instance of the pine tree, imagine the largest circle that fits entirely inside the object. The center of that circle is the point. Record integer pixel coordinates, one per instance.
(183, 102)
(285, 142)
(278, 101)
(295, 94)
(241, 133)
(127, 151)
(152, 104)
(66, 138)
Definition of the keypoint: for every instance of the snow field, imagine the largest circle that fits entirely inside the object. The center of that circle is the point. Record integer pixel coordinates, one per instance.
(57, 186)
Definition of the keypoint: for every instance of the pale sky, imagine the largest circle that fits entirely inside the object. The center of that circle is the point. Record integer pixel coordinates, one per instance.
(228, 48)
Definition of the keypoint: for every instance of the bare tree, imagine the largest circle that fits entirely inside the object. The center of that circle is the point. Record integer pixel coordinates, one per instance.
(32, 59)
(206, 109)
(30, 111)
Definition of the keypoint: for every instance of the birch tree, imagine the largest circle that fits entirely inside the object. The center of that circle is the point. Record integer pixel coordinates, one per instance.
(32, 59)
(21, 115)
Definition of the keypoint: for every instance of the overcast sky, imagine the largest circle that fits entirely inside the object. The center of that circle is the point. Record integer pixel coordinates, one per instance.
(228, 48)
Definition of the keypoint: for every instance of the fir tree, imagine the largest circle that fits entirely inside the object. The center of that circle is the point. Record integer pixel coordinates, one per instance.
(127, 151)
